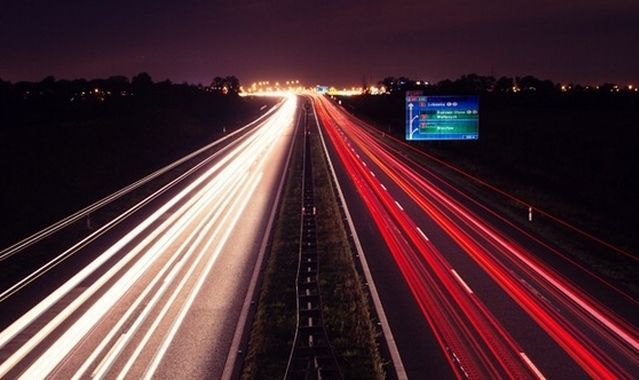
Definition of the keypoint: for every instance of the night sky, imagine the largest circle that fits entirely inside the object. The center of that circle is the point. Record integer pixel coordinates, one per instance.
(328, 42)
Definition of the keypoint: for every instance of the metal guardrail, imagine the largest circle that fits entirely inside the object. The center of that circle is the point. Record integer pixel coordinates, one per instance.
(19, 246)
(50, 231)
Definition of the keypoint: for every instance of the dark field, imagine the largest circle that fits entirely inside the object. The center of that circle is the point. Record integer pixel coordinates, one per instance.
(572, 155)
(57, 156)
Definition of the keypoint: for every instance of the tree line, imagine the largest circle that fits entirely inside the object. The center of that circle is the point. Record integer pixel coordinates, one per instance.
(103, 89)
(475, 83)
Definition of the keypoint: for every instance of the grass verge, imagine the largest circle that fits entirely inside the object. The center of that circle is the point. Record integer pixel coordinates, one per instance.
(346, 309)
(345, 306)
(274, 322)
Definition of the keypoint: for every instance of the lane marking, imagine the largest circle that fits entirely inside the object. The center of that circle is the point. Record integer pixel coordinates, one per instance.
(400, 206)
(112, 355)
(18, 326)
(159, 354)
(383, 187)
(193, 248)
(532, 366)
(422, 233)
(116, 346)
(396, 358)
(373, 174)
(231, 358)
(47, 231)
(556, 282)
(48, 359)
(74, 334)
(468, 289)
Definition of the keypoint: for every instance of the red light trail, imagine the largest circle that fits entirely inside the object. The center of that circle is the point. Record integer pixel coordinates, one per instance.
(476, 344)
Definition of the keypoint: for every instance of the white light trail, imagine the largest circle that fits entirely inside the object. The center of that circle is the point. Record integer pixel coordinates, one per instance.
(193, 213)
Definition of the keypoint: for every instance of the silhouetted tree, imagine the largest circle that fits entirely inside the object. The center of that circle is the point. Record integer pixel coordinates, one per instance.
(607, 88)
(141, 82)
(5, 90)
(397, 84)
(227, 85)
(119, 80)
(217, 85)
(504, 84)
(530, 83)
(473, 84)
(232, 84)
(445, 85)
(48, 81)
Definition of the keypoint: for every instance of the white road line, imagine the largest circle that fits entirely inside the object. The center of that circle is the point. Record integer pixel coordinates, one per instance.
(9, 251)
(47, 361)
(468, 289)
(396, 358)
(190, 243)
(70, 251)
(250, 293)
(556, 282)
(373, 174)
(400, 206)
(116, 346)
(60, 292)
(20, 324)
(363, 163)
(159, 355)
(532, 366)
(383, 187)
(422, 233)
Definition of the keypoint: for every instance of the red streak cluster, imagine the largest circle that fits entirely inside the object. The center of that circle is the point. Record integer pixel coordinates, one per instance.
(475, 343)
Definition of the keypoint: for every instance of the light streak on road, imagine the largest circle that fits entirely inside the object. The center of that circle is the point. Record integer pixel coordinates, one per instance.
(65, 222)
(475, 343)
(124, 309)
(576, 326)
(422, 233)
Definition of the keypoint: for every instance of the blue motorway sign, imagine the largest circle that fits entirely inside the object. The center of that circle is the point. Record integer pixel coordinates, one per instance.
(442, 117)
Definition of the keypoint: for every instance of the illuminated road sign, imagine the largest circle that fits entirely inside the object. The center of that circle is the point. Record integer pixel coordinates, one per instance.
(442, 117)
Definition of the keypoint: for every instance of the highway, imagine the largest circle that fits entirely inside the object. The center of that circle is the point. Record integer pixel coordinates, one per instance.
(165, 294)
(467, 293)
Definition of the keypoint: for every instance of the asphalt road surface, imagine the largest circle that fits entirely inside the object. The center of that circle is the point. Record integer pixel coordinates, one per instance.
(469, 294)
(160, 295)
(163, 294)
